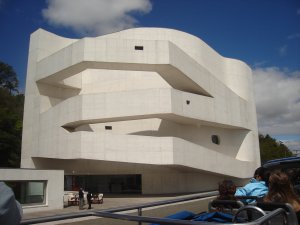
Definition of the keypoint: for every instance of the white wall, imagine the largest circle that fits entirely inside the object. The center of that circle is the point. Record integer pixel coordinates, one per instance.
(163, 104)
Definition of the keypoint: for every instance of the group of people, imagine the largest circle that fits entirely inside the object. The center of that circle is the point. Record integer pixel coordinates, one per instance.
(277, 187)
(81, 198)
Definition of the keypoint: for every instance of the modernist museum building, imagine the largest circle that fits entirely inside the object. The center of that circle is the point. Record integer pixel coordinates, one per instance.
(144, 110)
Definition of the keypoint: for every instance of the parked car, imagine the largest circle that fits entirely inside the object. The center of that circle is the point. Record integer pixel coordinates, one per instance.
(290, 165)
(283, 163)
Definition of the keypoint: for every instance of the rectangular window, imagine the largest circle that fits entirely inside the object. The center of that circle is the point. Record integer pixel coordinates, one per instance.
(29, 192)
(139, 47)
(108, 127)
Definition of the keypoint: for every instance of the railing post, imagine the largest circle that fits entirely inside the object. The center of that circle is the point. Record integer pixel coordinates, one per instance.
(139, 214)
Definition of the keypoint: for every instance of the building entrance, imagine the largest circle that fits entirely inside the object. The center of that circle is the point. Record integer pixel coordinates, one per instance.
(114, 184)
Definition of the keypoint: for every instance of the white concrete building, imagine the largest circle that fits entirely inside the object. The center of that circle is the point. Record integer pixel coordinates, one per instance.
(146, 110)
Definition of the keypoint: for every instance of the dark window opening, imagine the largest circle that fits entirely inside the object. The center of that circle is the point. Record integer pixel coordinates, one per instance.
(115, 184)
(139, 47)
(108, 127)
(29, 192)
(215, 139)
(188, 102)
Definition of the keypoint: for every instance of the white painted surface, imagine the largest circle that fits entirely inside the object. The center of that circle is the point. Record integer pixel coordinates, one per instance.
(163, 104)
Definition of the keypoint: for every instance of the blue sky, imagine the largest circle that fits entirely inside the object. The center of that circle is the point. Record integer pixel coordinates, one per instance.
(263, 33)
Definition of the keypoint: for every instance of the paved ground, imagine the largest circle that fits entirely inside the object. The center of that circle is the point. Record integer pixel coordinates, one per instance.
(117, 201)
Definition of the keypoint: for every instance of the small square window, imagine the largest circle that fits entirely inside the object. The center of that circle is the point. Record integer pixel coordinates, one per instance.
(139, 47)
(188, 102)
(108, 127)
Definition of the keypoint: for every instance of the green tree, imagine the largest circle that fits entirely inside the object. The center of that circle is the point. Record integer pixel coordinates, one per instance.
(270, 148)
(11, 116)
(8, 78)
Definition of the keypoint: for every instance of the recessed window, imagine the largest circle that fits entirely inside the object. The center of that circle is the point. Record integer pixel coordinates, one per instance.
(29, 192)
(188, 102)
(108, 127)
(138, 47)
(215, 139)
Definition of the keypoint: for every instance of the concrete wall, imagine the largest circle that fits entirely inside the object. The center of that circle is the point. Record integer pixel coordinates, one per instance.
(99, 99)
(54, 190)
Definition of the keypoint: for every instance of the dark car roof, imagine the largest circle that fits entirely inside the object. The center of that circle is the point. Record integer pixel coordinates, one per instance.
(283, 163)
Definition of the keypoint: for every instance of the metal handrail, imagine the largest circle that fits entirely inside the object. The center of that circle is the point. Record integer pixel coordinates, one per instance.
(111, 213)
(168, 221)
(57, 217)
(107, 212)
(138, 219)
(268, 217)
(164, 202)
(163, 221)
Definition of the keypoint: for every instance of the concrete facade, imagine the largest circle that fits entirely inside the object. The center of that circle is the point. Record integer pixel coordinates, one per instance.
(143, 101)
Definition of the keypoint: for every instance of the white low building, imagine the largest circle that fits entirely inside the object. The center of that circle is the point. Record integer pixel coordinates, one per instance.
(144, 110)
(36, 190)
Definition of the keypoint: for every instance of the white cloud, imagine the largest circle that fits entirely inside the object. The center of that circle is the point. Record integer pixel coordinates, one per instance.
(277, 94)
(95, 17)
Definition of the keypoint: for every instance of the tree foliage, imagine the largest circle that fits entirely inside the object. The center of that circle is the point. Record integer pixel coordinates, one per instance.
(8, 78)
(272, 149)
(11, 114)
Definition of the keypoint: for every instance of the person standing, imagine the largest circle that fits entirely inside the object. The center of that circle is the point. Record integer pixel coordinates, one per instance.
(89, 199)
(81, 195)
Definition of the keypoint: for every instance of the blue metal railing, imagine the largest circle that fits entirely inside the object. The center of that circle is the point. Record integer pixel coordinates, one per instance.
(107, 212)
(113, 213)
